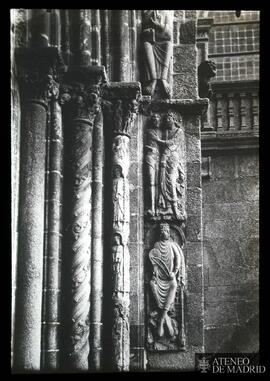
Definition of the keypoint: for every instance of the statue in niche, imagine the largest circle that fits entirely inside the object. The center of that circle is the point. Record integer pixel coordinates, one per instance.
(118, 197)
(158, 48)
(166, 329)
(171, 174)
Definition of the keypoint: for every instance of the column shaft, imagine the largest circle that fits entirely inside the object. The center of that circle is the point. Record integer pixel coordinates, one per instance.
(53, 241)
(97, 244)
(31, 231)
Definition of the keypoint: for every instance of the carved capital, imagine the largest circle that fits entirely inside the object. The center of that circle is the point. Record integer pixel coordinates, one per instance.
(121, 101)
(38, 72)
(80, 92)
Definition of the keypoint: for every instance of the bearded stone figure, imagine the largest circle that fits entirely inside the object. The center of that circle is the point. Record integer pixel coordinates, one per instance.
(158, 48)
(166, 326)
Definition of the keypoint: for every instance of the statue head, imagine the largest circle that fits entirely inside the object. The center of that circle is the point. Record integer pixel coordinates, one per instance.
(207, 69)
(164, 231)
(169, 121)
(154, 121)
(116, 240)
(117, 171)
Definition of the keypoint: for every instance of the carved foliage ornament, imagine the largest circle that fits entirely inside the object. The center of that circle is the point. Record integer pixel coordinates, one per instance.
(82, 101)
(38, 72)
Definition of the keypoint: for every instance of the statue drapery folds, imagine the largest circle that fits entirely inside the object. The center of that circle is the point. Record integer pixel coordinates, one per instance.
(158, 49)
(166, 329)
(164, 170)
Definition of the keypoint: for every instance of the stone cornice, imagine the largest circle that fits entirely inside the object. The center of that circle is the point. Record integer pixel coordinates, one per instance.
(233, 86)
(223, 141)
(184, 106)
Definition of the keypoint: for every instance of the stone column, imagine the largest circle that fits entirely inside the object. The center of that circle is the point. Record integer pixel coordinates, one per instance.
(37, 71)
(97, 245)
(53, 238)
(80, 95)
(124, 106)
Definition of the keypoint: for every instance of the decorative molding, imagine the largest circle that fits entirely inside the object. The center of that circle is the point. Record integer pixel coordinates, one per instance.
(227, 140)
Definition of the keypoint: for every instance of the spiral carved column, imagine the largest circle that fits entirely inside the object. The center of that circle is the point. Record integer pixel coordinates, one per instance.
(80, 96)
(124, 107)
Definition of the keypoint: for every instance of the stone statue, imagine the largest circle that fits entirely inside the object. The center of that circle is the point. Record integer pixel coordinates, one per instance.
(152, 159)
(118, 197)
(168, 265)
(206, 71)
(171, 176)
(158, 48)
(117, 262)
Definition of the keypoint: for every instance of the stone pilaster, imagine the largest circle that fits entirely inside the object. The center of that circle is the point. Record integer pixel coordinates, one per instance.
(123, 105)
(80, 96)
(186, 231)
(37, 69)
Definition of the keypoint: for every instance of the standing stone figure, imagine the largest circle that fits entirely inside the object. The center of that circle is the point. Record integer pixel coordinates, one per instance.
(117, 262)
(118, 197)
(158, 48)
(171, 176)
(168, 265)
(152, 159)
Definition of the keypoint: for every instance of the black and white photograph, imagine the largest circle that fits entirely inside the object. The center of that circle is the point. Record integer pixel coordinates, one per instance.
(135, 191)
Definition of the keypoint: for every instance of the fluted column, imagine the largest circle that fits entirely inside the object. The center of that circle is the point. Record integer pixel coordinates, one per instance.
(37, 71)
(124, 107)
(80, 96)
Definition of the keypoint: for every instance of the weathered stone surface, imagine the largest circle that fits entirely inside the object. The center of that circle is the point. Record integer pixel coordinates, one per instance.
(193, 253)
(194, 195)
(231, 190)
(173, 361)
(194, 228)
(188, 32)
(31, 238)
(234, 339)
(241, 293)
(195, 278)
(193, 145)
(185, 72)
(219, 314)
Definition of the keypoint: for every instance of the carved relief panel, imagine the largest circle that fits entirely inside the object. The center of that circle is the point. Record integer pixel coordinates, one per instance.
(165, 288)
(165, 168)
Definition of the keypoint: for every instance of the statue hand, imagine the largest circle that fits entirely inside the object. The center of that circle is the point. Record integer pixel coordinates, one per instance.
(156, 23)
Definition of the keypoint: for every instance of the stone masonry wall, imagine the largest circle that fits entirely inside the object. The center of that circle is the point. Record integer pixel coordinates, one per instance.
(231, 258)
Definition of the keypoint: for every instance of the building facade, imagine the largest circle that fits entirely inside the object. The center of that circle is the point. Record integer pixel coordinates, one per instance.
(134, 188)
